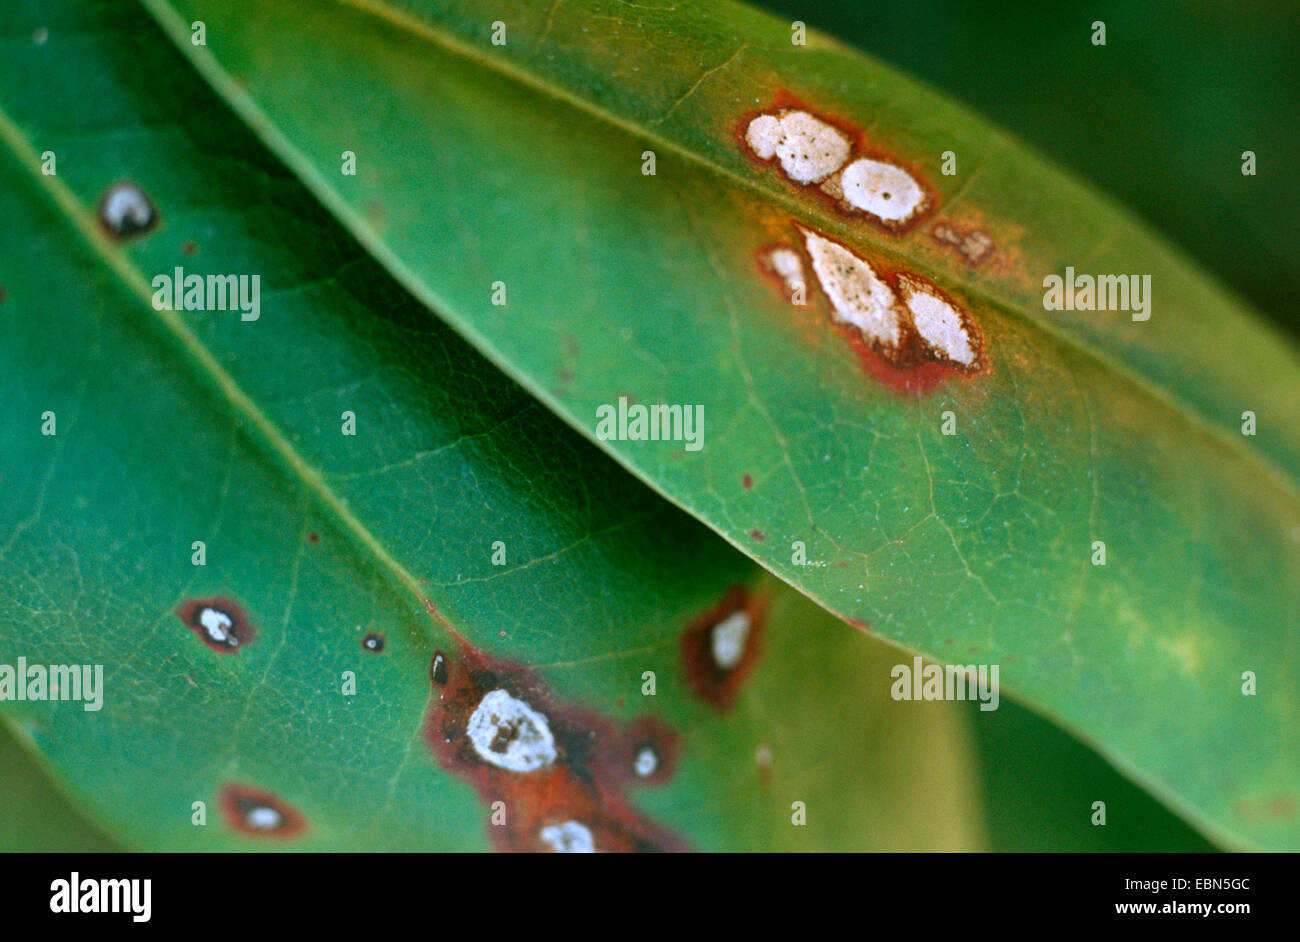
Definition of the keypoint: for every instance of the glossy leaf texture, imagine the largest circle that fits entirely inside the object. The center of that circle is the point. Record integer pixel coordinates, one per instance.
(509, 145)
(133, 432)
(34, 815)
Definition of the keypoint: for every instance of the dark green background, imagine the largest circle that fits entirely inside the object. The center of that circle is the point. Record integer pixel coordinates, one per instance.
(1157, 118)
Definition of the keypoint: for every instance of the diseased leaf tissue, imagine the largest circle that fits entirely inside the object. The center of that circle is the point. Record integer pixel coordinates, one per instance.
(324, 548)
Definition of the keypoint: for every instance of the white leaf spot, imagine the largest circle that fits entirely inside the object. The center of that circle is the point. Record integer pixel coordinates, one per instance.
(216, 623)
(788, 266)
(856, 293)
(263, 818)
(569, 838)
(786, 263)
(940, 325)
(809, 149)
(728, 639)
(884, 190)
(646, 762)
(510, 734)
(125, 209)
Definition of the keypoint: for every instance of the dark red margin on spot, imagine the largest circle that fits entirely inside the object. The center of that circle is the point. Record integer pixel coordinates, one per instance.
(710, 683)
(154, 216)
(912, 372)
(242, 629)
(236, 800)
(861, 147)
(916, 373)
(594, 764)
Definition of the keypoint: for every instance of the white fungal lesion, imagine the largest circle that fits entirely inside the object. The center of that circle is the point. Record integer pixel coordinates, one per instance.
(808, 148)
(913, 322)
(939, 323)
(787, 265)
(858, 295)
(728, 639)
(263, 818)
(570, 837)
(218, 626)
(646, 762)
(125, 209)
(508, 733)
(884, 190)
(810, 151)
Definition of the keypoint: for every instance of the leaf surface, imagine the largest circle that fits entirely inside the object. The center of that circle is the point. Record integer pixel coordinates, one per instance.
(176, 426)
(522, 164)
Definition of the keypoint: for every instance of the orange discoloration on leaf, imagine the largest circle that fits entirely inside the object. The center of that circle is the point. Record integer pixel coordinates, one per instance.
(827, 190)
(579, 774)
(973, 245)
(920, 354)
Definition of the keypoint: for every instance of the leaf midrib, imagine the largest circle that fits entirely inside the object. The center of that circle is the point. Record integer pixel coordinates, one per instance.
(117, 261)
(244, 105)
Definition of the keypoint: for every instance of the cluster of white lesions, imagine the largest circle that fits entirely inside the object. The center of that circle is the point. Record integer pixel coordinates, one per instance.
(811, 151)
(906, 323)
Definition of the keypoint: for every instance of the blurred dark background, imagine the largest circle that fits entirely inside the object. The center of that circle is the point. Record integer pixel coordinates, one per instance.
(1158, 118)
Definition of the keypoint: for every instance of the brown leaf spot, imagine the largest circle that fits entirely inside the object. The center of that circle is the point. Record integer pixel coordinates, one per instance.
(721, 647)
(258, 813)
(582, 766)
(219, 623)
(829, 191)
(972, 244)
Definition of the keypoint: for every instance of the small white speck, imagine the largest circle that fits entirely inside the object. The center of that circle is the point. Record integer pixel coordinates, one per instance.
(40, 35)
(125, 209)
(569, 838)
(728, 639)
(786, 263)
(510, 734)
(809, 149)
(217, 624)
(263, 818)
(788, 266)
(646, 762)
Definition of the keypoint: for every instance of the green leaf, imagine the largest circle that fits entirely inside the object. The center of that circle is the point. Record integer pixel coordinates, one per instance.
(522, 163)
(1041, 787)
(34, 817)
(172, 426)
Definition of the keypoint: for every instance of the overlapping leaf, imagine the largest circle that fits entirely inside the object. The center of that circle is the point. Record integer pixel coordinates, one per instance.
(521, 163)
(172, 427)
